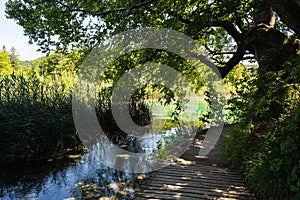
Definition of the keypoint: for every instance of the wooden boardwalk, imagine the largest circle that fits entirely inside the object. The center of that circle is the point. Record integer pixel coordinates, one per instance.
(194, 181)
(193, 178)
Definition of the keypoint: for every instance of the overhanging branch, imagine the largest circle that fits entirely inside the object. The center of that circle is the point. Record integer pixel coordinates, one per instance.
(72, 8)
(235, 34)
(230, 29)
(236, 58)
(135, 6)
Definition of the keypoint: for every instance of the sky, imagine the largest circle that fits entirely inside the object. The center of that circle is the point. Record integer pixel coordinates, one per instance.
(12, 35)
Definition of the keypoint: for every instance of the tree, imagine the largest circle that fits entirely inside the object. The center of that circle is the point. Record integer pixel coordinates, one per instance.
(4, 48)
(231, 31)
(9, 61)
(266, 142)
(14, 58)
(5, 65)
(48, 64)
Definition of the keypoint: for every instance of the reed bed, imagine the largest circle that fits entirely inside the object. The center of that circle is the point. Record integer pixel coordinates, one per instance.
(36, 116)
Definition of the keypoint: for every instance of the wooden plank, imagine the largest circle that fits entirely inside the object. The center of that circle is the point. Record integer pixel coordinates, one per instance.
(203, 187)
(198, 184)
(187, 191)
(176, 186)
(198, 166)
(193, 168)
(163, 195)
(201, 168)
(194, 194)
(194, 185)
(172, 195)
(202, 175)
(196, 180)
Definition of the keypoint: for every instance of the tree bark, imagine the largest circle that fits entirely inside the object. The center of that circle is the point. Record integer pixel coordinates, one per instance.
(289, 13)
(264, 13)
(271, 47)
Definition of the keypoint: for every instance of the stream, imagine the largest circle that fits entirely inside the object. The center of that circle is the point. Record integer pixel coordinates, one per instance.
(84, 178)
(88, 176)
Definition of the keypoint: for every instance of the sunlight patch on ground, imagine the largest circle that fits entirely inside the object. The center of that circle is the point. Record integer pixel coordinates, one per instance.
(172, 187)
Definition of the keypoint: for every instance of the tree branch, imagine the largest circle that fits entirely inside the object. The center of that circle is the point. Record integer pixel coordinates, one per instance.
(235, 34)
(102, 13)
(134, 6)
(263, 13)
(241, 50)
(227, 25)
(236, 58)
(231, 30)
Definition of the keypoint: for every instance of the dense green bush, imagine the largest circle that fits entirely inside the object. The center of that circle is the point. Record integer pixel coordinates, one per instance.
(265, 144)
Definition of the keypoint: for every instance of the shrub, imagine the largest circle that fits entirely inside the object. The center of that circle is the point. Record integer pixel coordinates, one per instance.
(265, 143)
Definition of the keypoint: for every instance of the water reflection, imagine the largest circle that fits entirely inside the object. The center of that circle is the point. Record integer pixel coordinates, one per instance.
(88, 177)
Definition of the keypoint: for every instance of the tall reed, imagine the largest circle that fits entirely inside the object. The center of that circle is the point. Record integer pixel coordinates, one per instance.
(35, 115)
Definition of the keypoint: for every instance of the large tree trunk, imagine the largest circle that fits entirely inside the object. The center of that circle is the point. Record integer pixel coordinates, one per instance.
(272, 48)
(288, 11)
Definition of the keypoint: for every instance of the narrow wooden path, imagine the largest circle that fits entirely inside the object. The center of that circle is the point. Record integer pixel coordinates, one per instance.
(194, 181)
(194, 178)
